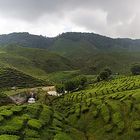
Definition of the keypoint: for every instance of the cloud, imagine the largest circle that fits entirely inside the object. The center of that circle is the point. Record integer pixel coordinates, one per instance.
(116, 18)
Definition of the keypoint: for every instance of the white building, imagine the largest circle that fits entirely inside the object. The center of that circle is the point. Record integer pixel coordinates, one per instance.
(31, 100)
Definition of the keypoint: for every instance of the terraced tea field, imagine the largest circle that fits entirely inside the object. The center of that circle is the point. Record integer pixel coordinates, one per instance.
(31, 122)
(103, 111)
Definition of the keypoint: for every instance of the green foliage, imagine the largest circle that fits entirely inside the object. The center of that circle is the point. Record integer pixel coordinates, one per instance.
(61, 136)
(108, 127)
(108, 70)
(9, 137)
(46, 115)
(76, 83)
(135, 69)
(35, 124)
(60, 88)
(104, 75)
(103, 110)
(12, 126)
(4, 99)
(31, 133)
(1, 118)
(6, 113)
(116, 118)
(11, 77)
(105, 113)
(136, 125)
(17, 109)
(35, 62)
(79, 49)
(71, 85)
(107, 109)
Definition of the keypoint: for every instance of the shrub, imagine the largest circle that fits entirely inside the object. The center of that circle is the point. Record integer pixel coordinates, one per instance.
(32, 110)
(45, 115)
(31, 133)
(1, 118)
(62, 136)
(120, 127)
(9, 137)
(105, 113)
(60, 88)
(135, 69)
(108, 127)
(16, 109)
(71, 85)
(95, 113)
(76, 83)
(84, 108)
(108, 70)
(116, 118)
(13, 126)
(104, 75)
(34, 124)
(136, 125)
(32, 139)
(6, 113)
(57, 123)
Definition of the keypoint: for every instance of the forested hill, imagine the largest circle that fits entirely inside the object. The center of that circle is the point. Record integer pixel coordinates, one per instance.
(25, 39)
(88, 52)
(95, 41)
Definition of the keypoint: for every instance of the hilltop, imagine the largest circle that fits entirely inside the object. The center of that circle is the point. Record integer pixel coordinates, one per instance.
(88, 52)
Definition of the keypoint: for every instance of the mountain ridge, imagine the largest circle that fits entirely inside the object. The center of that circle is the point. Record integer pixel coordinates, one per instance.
(30, 40)
(84, 51)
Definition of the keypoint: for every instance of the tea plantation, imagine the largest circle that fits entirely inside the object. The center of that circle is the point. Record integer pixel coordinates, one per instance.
(107, 110)
(31, 122)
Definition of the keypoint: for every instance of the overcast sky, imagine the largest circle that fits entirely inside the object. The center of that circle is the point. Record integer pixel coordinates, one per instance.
(114, 18)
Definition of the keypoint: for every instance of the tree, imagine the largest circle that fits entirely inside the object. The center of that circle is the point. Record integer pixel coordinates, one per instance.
(104, 75)
(76, 83)
(82, 80)
(71, 85)
(135, 69)
(60, 88)
(108, 70)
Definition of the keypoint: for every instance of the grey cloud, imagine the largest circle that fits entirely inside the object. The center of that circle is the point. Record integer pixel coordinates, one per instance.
(109, 17)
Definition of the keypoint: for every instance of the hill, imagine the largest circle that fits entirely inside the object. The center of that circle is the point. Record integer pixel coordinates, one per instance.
(25, 39)
(92, 40)
(104, 110)
(10, 77)
(33, 61)
(86, 51)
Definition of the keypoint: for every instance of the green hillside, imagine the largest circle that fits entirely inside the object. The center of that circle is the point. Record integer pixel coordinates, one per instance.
(36, 62)
(4, 99)
(31, 122)
(90, 60)
(69, 51)
(104, 110)
(10, 77)
(91, 52)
